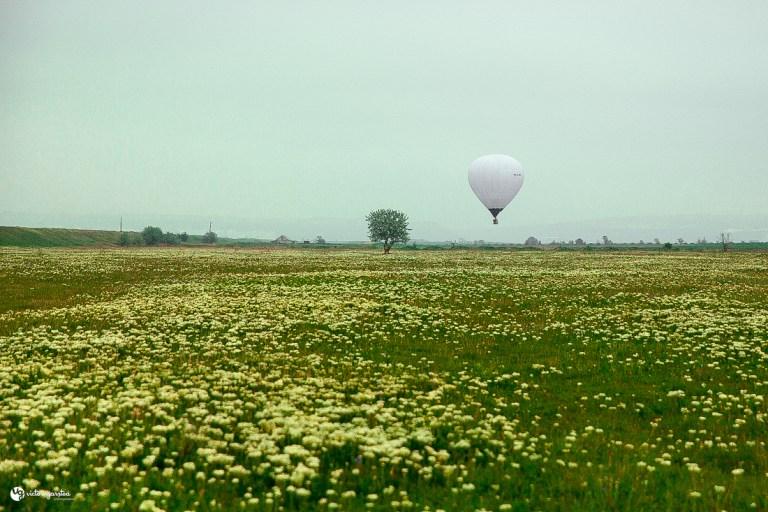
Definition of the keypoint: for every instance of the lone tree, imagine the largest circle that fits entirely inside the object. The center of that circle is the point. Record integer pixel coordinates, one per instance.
(532, 240)
(152, 235)
(388, 226)
(210, 238)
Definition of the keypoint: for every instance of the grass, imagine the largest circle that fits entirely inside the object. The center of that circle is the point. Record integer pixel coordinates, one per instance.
(179, 379)
(55, 237)
(23, 237)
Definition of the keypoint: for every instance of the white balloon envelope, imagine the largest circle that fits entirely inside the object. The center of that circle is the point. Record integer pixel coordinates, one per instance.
(495, 180)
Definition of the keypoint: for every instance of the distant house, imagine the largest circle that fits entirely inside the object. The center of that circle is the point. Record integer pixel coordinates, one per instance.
(282, 239)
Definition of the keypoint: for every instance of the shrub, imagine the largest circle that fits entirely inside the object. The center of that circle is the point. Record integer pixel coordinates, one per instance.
(152, 235)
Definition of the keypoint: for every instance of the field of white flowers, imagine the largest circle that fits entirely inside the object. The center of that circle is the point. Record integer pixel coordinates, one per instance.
(345, 380)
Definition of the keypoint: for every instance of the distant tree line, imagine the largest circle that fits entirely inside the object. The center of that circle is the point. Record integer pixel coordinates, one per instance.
(153, 235)
(724, 240)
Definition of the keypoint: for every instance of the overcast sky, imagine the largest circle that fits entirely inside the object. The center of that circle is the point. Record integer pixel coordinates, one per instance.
(326, 110)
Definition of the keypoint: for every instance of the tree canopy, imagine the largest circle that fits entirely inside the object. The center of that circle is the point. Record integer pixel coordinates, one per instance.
(387, 226)
(152, 235)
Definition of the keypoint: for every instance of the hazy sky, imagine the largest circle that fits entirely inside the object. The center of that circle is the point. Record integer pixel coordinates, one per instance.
(326, 110)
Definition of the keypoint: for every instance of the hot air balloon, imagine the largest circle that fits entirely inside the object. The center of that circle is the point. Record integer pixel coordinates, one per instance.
(495, 180)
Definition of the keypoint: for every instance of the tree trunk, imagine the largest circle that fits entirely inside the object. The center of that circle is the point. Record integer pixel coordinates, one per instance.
(387, 248)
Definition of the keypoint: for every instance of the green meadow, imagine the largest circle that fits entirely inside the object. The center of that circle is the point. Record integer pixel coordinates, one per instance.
(55, 237)
(286, 379)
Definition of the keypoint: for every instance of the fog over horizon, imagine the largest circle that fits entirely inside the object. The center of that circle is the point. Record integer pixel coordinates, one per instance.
(637, 120)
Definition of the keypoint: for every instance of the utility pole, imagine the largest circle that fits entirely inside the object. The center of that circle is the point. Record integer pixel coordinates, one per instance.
(121, 223)
(210, 227)
(725, 239)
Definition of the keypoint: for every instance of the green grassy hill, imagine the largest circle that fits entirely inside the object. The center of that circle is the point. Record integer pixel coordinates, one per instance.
(55, 237)
(14, 236)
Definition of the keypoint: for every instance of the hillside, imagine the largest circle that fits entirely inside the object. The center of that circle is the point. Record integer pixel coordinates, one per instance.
(15, 236)
(55, 237)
